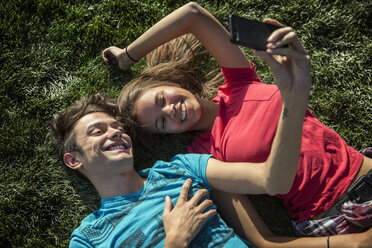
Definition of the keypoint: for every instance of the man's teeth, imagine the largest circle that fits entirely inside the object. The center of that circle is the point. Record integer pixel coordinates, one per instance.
(116, 147)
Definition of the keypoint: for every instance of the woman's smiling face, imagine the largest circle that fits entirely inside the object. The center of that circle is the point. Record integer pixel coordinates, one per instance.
(168, 109)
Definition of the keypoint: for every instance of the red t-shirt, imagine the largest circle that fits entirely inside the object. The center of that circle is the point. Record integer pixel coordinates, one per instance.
(244, 130)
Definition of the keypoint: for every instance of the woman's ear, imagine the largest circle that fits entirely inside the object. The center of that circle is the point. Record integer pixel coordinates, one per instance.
(71, 160)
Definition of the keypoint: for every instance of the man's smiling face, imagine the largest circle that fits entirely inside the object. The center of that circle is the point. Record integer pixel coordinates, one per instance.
(107, 149)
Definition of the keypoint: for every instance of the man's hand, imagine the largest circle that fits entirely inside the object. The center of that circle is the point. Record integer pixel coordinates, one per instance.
(117, 56)
(183, 222)
(291, 65)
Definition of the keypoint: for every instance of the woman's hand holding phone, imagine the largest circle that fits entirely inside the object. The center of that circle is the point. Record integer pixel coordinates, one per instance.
(289, 65)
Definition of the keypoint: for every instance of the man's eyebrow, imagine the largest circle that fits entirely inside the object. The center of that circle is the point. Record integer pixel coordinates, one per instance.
(100, 123)
(95, 124)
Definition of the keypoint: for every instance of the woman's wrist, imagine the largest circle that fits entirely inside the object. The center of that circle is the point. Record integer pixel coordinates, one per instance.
(295, 101)
(296, 105)
(129, 56)
(124, 61)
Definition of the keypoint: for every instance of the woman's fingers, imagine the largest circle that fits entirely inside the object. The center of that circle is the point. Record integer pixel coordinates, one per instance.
(272, 22)
(278, 34)
(290, 64)
(286, 39)
(109, 57)
(285, 36)
(288, 52)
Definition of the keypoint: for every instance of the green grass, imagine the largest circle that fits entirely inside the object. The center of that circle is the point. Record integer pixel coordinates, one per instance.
(51, 56)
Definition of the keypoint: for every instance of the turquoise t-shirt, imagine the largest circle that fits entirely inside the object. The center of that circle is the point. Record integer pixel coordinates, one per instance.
(135, 220)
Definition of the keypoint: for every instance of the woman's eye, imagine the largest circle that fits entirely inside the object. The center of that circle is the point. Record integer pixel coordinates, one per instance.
(163, 123)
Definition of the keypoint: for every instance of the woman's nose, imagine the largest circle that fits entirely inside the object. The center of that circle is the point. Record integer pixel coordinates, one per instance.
(169, 110)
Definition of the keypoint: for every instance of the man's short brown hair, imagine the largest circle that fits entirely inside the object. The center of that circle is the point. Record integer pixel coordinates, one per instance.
(61, 128)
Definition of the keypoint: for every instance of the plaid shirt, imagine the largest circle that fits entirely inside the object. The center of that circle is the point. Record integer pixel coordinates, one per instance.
(355, 218)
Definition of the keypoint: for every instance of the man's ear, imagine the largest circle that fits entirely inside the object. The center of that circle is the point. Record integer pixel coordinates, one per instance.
(71, 160)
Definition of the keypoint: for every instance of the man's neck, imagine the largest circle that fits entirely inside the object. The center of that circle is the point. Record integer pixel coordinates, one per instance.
(121, 184)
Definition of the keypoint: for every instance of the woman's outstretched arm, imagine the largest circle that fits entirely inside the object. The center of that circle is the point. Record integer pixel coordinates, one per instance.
(291, 69)
(190, 18)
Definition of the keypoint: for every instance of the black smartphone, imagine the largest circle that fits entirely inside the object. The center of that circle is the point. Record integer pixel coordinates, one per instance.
(250, 33)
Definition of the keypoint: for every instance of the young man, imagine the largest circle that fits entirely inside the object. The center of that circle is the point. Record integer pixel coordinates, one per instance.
(132, 203)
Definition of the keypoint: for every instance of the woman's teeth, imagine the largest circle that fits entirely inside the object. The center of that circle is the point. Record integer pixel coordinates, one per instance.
(181, 111)
(184, 114)
(182, 108)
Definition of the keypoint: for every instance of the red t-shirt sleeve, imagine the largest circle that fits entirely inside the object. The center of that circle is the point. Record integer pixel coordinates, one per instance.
(240, 75)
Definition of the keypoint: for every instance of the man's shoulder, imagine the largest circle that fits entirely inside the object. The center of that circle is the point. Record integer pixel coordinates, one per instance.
(95, 225)
(190, 157)
(85, 230)
(179, 159)
(91, 219)
(179, 164)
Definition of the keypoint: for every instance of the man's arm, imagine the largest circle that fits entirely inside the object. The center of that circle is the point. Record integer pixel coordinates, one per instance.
(240, 214)
(291, 70)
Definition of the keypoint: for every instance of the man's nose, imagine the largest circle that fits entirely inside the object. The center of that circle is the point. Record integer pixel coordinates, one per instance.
(169, 110)
(114, 133)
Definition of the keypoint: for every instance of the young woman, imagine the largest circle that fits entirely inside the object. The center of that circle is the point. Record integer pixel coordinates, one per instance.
(240, 123)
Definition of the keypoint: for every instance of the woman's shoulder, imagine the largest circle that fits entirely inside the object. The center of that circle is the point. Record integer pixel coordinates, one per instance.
(233, 75)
